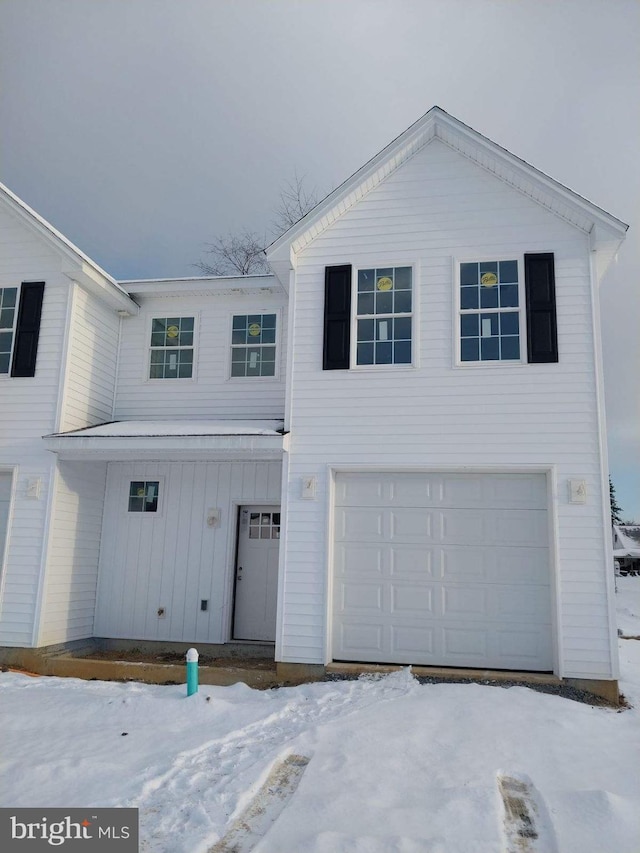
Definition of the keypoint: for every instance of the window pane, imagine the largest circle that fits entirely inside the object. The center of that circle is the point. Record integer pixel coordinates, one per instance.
(365, 303)
(365, 354)
(469, 349)
(508, 271)
(185, 371)
(509, 295)
(488, 266)
(488, 325)
(238, 368)
(365, 330)
(384, 353)
(469, 326)
(268, 321)
(6, 318)
(469, 297)
(489, 349)
(402, 301)
(488, 297)
(239, 336)
(387, 272)
(365, 280)
(402, 352)
(510, 348)
(157, 339)
(186, 324)
(402, 278)
(402, 329)
(4, 362)
(136, 504)
(509, 323)
(468, 274)
(384, 302)
(268, 336)
(5, 341)
(8, 295)
(384, 330)
(268, 368)
(158, 326)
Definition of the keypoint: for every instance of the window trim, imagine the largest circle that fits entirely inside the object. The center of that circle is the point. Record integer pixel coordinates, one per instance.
(151, 478)
(229, 347)
(521, 309)
(148, 348)
(16, 310)
(413, 314)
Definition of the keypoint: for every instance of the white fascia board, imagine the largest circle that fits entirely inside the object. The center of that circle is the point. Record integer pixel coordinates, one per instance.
(118, 448)
(228, 286)
(92, 281)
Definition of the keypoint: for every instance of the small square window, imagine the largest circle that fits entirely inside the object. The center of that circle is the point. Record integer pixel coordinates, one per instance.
(143, 495)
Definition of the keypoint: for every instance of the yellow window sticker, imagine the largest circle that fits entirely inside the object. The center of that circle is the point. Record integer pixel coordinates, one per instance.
(254, 330)
(384, 283)
(489, 279)
(173, 332)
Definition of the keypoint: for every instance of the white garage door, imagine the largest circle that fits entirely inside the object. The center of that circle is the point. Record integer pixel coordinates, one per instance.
(442, 569)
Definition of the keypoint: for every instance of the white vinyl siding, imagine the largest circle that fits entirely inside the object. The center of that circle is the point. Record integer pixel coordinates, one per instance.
(438, 207)
(72, 571)
(29, 408)
(172, 559)
(91, 368)
(211, 394)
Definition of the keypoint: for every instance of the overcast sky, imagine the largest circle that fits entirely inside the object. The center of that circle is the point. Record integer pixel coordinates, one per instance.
(140, 128)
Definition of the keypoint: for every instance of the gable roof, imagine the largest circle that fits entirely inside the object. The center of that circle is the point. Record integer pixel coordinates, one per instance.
(628, 540)
(81, 267)
(607, 232)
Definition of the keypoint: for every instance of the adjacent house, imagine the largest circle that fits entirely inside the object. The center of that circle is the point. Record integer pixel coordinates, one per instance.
(391, 450)
(626, 548)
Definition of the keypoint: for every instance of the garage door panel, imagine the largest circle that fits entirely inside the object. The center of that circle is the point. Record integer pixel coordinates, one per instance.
(363, 639)
(408, 561)
(468, 601)
(359, 559)
(413, 525)
(362, 597)
(360, 524)
(451, 585)
(413, 640)
(468, 644)
(412, 600)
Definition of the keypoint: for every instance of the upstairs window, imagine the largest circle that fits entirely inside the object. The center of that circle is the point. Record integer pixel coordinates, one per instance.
(8, 297)
(171, 348)
(383, 316)
(253, 345)
(490, 311)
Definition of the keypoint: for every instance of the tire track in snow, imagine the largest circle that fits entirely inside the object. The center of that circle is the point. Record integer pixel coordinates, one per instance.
(212, 782)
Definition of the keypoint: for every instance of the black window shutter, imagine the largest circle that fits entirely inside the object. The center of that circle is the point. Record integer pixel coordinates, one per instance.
(540, 286)
(337, 317)
(28, 329)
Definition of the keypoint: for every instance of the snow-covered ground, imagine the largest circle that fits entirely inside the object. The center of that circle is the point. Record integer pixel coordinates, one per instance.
(394, 765)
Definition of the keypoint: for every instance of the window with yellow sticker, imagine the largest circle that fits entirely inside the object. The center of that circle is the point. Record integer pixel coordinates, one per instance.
(171, 348)
(253, 345)
(384, 316)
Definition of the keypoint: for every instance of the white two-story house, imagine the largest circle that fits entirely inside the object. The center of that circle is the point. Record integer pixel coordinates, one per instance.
(392, 450)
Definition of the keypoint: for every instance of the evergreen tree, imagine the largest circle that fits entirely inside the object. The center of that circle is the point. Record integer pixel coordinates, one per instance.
(616, 510)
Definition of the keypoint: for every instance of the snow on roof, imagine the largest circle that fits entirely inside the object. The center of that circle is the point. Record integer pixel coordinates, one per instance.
(627, 539)
(178, 428)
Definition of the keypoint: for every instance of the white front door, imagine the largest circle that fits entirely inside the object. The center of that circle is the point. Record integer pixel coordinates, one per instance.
(256, 588)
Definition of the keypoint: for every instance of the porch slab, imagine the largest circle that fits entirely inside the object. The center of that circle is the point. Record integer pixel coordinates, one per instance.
(446, 673)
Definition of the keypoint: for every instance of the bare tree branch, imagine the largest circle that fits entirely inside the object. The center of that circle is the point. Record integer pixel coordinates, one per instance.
(242, 253)
(235, 254)
(295, 202)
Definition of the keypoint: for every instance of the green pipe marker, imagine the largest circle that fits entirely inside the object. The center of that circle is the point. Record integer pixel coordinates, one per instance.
(192, 672)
